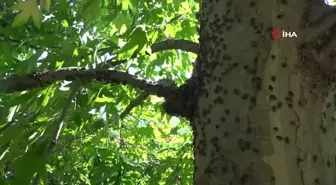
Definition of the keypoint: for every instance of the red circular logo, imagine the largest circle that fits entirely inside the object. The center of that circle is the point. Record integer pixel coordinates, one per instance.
(276, 34)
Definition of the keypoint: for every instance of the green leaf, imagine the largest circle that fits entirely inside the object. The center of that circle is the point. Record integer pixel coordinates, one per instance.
(146, 131)
(137, 42)
(10, 134)
(91, 10)
(27, 9)
(32, 161)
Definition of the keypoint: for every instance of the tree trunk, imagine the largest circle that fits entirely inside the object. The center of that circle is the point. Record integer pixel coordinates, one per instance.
(265, 106)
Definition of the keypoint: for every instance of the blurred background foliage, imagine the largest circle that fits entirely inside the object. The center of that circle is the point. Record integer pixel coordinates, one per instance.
(96, 146)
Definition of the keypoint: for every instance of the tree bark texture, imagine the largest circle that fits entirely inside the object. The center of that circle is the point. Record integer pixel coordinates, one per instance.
(265, 109)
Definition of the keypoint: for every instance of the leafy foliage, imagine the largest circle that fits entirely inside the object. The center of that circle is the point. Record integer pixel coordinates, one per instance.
(95, 145)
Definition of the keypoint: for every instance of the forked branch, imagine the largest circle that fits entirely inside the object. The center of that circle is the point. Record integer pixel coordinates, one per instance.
(107, 76)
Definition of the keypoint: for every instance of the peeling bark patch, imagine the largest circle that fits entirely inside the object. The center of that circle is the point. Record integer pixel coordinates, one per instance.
(314, 158)
(218, 89)
(272, 179)
(253, 100)
(272, 97)
(328, 163)
(255, 150)
(224, 169)
(323, 129)
(237, 119)
(273, 78)
(225, 92)
(258, 82)
(245, 96)
(280, 16)
(244, 145)
(333, 119)
(298, 161)
(301, 104)
(244, 178)
(227, 57)
(287, 140)
(274, 108)
(284, 2)
(208, 170)
(239, 20)
(201, 148)
(227, 111)
(205, 112)
(279, 138)
(254, 44)
(284, 64)
(252, 4)
(236, 92)
(223, 119)
(317, 181)
(219, 100)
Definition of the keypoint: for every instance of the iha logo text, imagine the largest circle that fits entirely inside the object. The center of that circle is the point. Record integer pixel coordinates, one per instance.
(277, 34)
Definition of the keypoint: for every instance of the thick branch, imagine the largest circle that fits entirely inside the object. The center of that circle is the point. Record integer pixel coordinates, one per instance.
(45, 78)
(175, 44)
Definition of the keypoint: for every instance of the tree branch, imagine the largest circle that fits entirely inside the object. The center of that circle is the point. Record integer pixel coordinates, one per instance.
(137, 101)
(181, 44)
(184, 45)
(60, 124)
(45, 78)
(60, 121)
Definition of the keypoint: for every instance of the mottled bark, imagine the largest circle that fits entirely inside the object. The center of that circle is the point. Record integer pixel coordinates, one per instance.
(263, 113)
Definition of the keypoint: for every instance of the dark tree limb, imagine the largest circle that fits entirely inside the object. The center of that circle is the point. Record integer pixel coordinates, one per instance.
(179, 100)
(107, 76)
(45, 78)
(181, 44)
(137, 101)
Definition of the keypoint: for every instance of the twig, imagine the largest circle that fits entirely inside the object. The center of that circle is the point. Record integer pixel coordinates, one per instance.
(60, 121)
(60, 124)
(137, 101)
(181, 44)
(167, 44)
